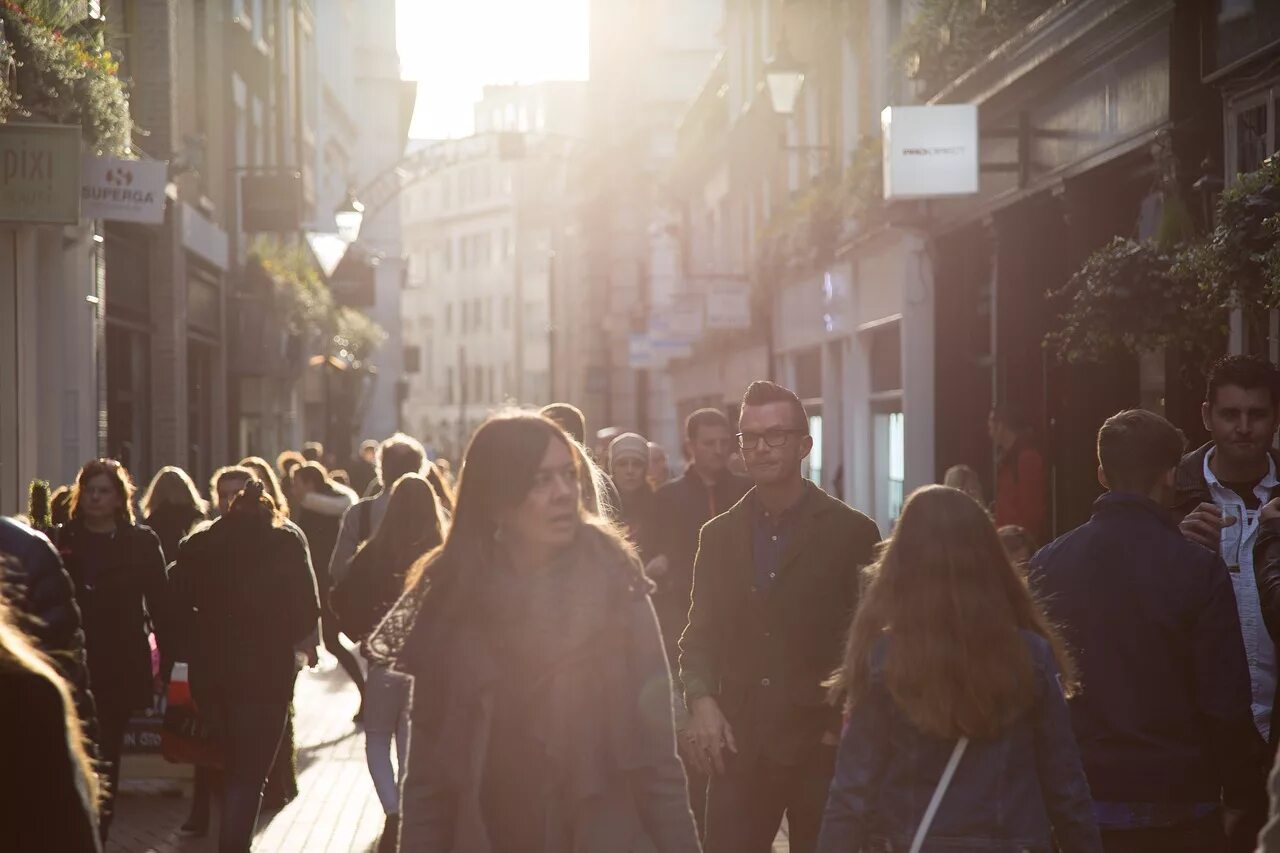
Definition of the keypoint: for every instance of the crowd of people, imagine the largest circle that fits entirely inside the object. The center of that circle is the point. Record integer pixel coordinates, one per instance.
(570, 650)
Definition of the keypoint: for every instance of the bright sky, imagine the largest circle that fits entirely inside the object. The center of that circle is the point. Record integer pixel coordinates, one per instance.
(455, 48)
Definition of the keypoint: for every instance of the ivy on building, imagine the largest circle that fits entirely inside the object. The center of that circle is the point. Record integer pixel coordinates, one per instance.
(306, 306)
(58, 69)
(1131, 297)
(948, 37)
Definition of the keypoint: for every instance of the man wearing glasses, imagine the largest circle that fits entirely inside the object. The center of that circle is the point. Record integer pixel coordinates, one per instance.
(775, 583)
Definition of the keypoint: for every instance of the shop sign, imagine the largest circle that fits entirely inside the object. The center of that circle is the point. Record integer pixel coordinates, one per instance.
(729, 306)
(40, 173)
(930, 151)
(123, 190)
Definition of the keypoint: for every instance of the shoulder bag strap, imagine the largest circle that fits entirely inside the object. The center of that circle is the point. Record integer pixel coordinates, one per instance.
(938, 793)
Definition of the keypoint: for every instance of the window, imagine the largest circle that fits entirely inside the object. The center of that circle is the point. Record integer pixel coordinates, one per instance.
(448, 318)
(412, 359)
(506, 313)
(1251, 131)
(493, 388)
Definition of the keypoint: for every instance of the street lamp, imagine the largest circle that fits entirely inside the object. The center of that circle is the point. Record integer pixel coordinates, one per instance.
(349, 216)
(783, 77)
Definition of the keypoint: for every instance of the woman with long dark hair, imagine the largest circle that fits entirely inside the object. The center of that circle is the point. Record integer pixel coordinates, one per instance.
(542, 716)
(51, 789)
(954, 680)
(118, 570)
(412, 527)
(247, 581)
(172, 506)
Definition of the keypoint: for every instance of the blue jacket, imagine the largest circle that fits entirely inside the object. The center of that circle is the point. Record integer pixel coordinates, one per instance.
(1164, 716)
(1019, 792)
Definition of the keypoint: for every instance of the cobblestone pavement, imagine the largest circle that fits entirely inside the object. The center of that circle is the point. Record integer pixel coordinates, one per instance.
(336, 810)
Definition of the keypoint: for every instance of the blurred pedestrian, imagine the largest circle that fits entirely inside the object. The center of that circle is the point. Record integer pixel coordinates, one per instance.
(51, 790)
(965, 479)
(172, 506)
(398, 455)
(659, 469)
(412, 527)
(286, 462)
(1164, 723)
(118, 569)
(600, 497)
(313, 451)
(1022, 484)
(774, 585)
(1220, 491)
(43, 604)
(247, 580)
(1017, 543)
(951, 668)
(319, 504)
(361, 469)
(270, 483)
(60, 506)
(542, 713)
(628, 461)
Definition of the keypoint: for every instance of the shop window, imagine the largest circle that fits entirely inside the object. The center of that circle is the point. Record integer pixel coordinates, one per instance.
(1251, 131)
(200, 417)
(128, 410)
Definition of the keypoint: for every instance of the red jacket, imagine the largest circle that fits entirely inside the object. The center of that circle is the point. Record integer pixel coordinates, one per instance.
(1021, 490)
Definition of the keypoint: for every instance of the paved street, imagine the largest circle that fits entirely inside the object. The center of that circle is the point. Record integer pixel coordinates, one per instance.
(336, 809)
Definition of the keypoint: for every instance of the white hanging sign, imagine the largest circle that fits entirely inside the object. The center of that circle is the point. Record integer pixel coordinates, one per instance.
(930, 151)
(123, 190)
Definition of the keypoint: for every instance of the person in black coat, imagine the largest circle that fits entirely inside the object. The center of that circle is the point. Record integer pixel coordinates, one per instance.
(247, 582)
(50, 788)
(775, 584)
(45, 606)
(172, 507)
(318, 506)
(118, 571)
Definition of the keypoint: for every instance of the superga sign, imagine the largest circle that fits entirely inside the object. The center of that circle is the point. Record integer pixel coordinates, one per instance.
(123, 190)
(930, 151)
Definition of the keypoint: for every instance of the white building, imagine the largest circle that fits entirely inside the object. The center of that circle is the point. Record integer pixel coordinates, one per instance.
(478, 232)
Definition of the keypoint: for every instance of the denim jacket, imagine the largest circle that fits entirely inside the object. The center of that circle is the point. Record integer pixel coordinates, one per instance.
(1022, 791)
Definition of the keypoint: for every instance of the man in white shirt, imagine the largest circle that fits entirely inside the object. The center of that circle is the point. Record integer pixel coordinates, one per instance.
(1222, 488)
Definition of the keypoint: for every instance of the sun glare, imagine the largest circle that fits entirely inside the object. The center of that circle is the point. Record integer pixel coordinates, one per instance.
(454, 49)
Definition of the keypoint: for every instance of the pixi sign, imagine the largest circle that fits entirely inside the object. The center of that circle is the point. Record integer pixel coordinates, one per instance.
(40, 173)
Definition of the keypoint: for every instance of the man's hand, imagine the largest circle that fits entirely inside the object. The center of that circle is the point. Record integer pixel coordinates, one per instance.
(1204, 525)
(1271, 510)
(657, 567)
(709, 733)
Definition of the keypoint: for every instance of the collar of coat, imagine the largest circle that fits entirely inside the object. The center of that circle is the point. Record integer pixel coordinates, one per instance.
(1189, 484)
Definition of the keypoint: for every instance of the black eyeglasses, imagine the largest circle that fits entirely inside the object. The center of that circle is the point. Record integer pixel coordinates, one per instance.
(773, 438)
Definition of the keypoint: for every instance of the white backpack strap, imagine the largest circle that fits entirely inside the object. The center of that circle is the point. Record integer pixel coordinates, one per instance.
(938, 793)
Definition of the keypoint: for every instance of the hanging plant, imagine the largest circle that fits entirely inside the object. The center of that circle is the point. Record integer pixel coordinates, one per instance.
(64, 75)
(1132, 297)
(948, 37)
(864, 179)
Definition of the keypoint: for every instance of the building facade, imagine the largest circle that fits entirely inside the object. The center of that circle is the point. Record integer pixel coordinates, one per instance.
(480, 231)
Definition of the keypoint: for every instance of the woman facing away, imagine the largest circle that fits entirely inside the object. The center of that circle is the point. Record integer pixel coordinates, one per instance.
(172, 506)
(247, 580)
(413, 527)
(950, 660)
(118, 571)
(51, 789)
(542, 718)
(318, 506)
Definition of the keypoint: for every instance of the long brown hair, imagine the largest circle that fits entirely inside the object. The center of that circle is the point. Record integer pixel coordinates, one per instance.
(120, 481)
(18, 654)
(270, 482)
(413, 526)
(172, 485)
(945, 593)
(497, 474)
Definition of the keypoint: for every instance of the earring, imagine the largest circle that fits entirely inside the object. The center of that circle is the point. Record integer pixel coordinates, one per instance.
(499, 535)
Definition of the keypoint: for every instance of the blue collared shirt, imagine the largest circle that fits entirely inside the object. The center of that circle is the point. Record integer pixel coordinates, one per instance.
(771, 535)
